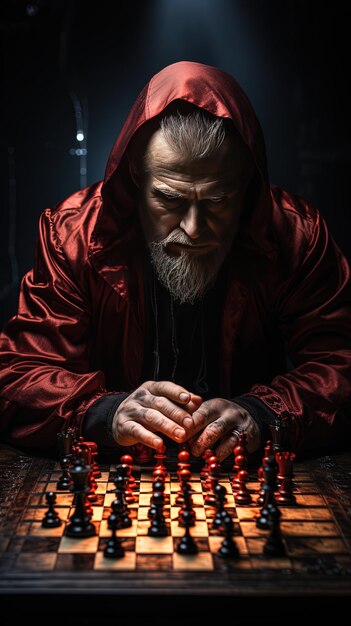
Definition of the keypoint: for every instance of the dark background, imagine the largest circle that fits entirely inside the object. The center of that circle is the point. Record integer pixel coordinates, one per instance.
(67, 66)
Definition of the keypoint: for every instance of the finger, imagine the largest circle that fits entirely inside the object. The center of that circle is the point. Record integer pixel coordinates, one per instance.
(158, 422)
(226, 446)
(202, 417)
(209, 436)
(170, 390)
(169, 409)
(193, 404)
(139, 434)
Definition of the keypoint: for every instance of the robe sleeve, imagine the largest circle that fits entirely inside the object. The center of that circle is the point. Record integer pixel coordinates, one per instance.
(313, 313)
(45, 380)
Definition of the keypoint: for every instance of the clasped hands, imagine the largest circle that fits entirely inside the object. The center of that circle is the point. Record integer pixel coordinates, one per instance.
(159, 408)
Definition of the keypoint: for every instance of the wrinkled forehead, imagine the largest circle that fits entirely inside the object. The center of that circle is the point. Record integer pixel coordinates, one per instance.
(230, 158)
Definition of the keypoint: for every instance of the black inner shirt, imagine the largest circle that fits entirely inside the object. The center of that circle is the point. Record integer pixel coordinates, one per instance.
(182, 341)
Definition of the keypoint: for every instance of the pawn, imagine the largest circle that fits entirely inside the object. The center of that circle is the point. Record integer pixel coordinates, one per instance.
(158, 527)
(220, 493)
(228, 548)
(187, 544)
(183, 464)
(242, 496)
(274, 545)
(213, 477)
(158, 486)
(206, 455)
(51, 518)
(127, 459)
(160, 455)
(65, 481)
(114, 548)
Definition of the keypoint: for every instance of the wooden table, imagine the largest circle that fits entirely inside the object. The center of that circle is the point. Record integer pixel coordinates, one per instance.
(320, 579)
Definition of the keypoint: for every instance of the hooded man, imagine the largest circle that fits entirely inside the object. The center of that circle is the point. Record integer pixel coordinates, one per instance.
(166, 301)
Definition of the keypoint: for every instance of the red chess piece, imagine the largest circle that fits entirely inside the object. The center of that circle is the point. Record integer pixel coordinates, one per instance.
(206, 455)
(183, 464)
(187, 506)
(160, 455)
(285, 477)
(127, 459)
(268, 452)
(243, 496)
(128, 494)
(212, 460)
(213, 477)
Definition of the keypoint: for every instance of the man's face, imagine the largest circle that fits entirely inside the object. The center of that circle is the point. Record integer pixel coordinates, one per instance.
(190, 212)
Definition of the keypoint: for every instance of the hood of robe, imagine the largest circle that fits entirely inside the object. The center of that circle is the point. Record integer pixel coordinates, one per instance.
(207, 88)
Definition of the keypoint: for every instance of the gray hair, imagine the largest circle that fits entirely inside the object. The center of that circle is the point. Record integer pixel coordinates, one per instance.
(195, 135)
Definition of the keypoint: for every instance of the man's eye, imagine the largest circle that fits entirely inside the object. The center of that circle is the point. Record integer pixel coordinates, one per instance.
(217, 200)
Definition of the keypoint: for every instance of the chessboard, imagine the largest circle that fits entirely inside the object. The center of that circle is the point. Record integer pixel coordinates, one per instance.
(315, 531)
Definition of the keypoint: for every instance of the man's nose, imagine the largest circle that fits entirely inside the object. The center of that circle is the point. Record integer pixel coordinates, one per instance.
(193, 221)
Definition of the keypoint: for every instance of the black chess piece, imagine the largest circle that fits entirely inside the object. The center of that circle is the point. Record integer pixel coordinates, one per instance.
(158, 526)
(220, 493)
(274, 545)
(269, 488)
(187, 506)
(65, 480)
(187, 544)
(121, 481)
(228, 548)
(65, 441)
(51, 518)
(114, 548)
(281, 435)
(158, 486)
(80, 524)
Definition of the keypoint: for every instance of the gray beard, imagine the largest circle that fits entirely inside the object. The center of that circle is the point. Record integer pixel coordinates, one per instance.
(186, 277)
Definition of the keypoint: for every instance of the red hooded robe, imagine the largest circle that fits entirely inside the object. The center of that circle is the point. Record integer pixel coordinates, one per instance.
(79, 331)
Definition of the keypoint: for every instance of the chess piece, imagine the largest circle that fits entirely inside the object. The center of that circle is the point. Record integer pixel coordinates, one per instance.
(127, 459)
(120, 481)
(65, 480)
(274, 545)
(158, 527)
(95, 470)
(83, 451)
(158, 486)
(186, 513)
(183, 463)
(160, 455)
(281, 436)
(269, 487)
(80, 524)
(114, 548)
(187, 544)
(241, 460)
(213, 477)
(220, 493)
(206, 455)
(242, 496)
(65, 441)
(268, 453)
(51, 518)
(285, 478)
(228, 548)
